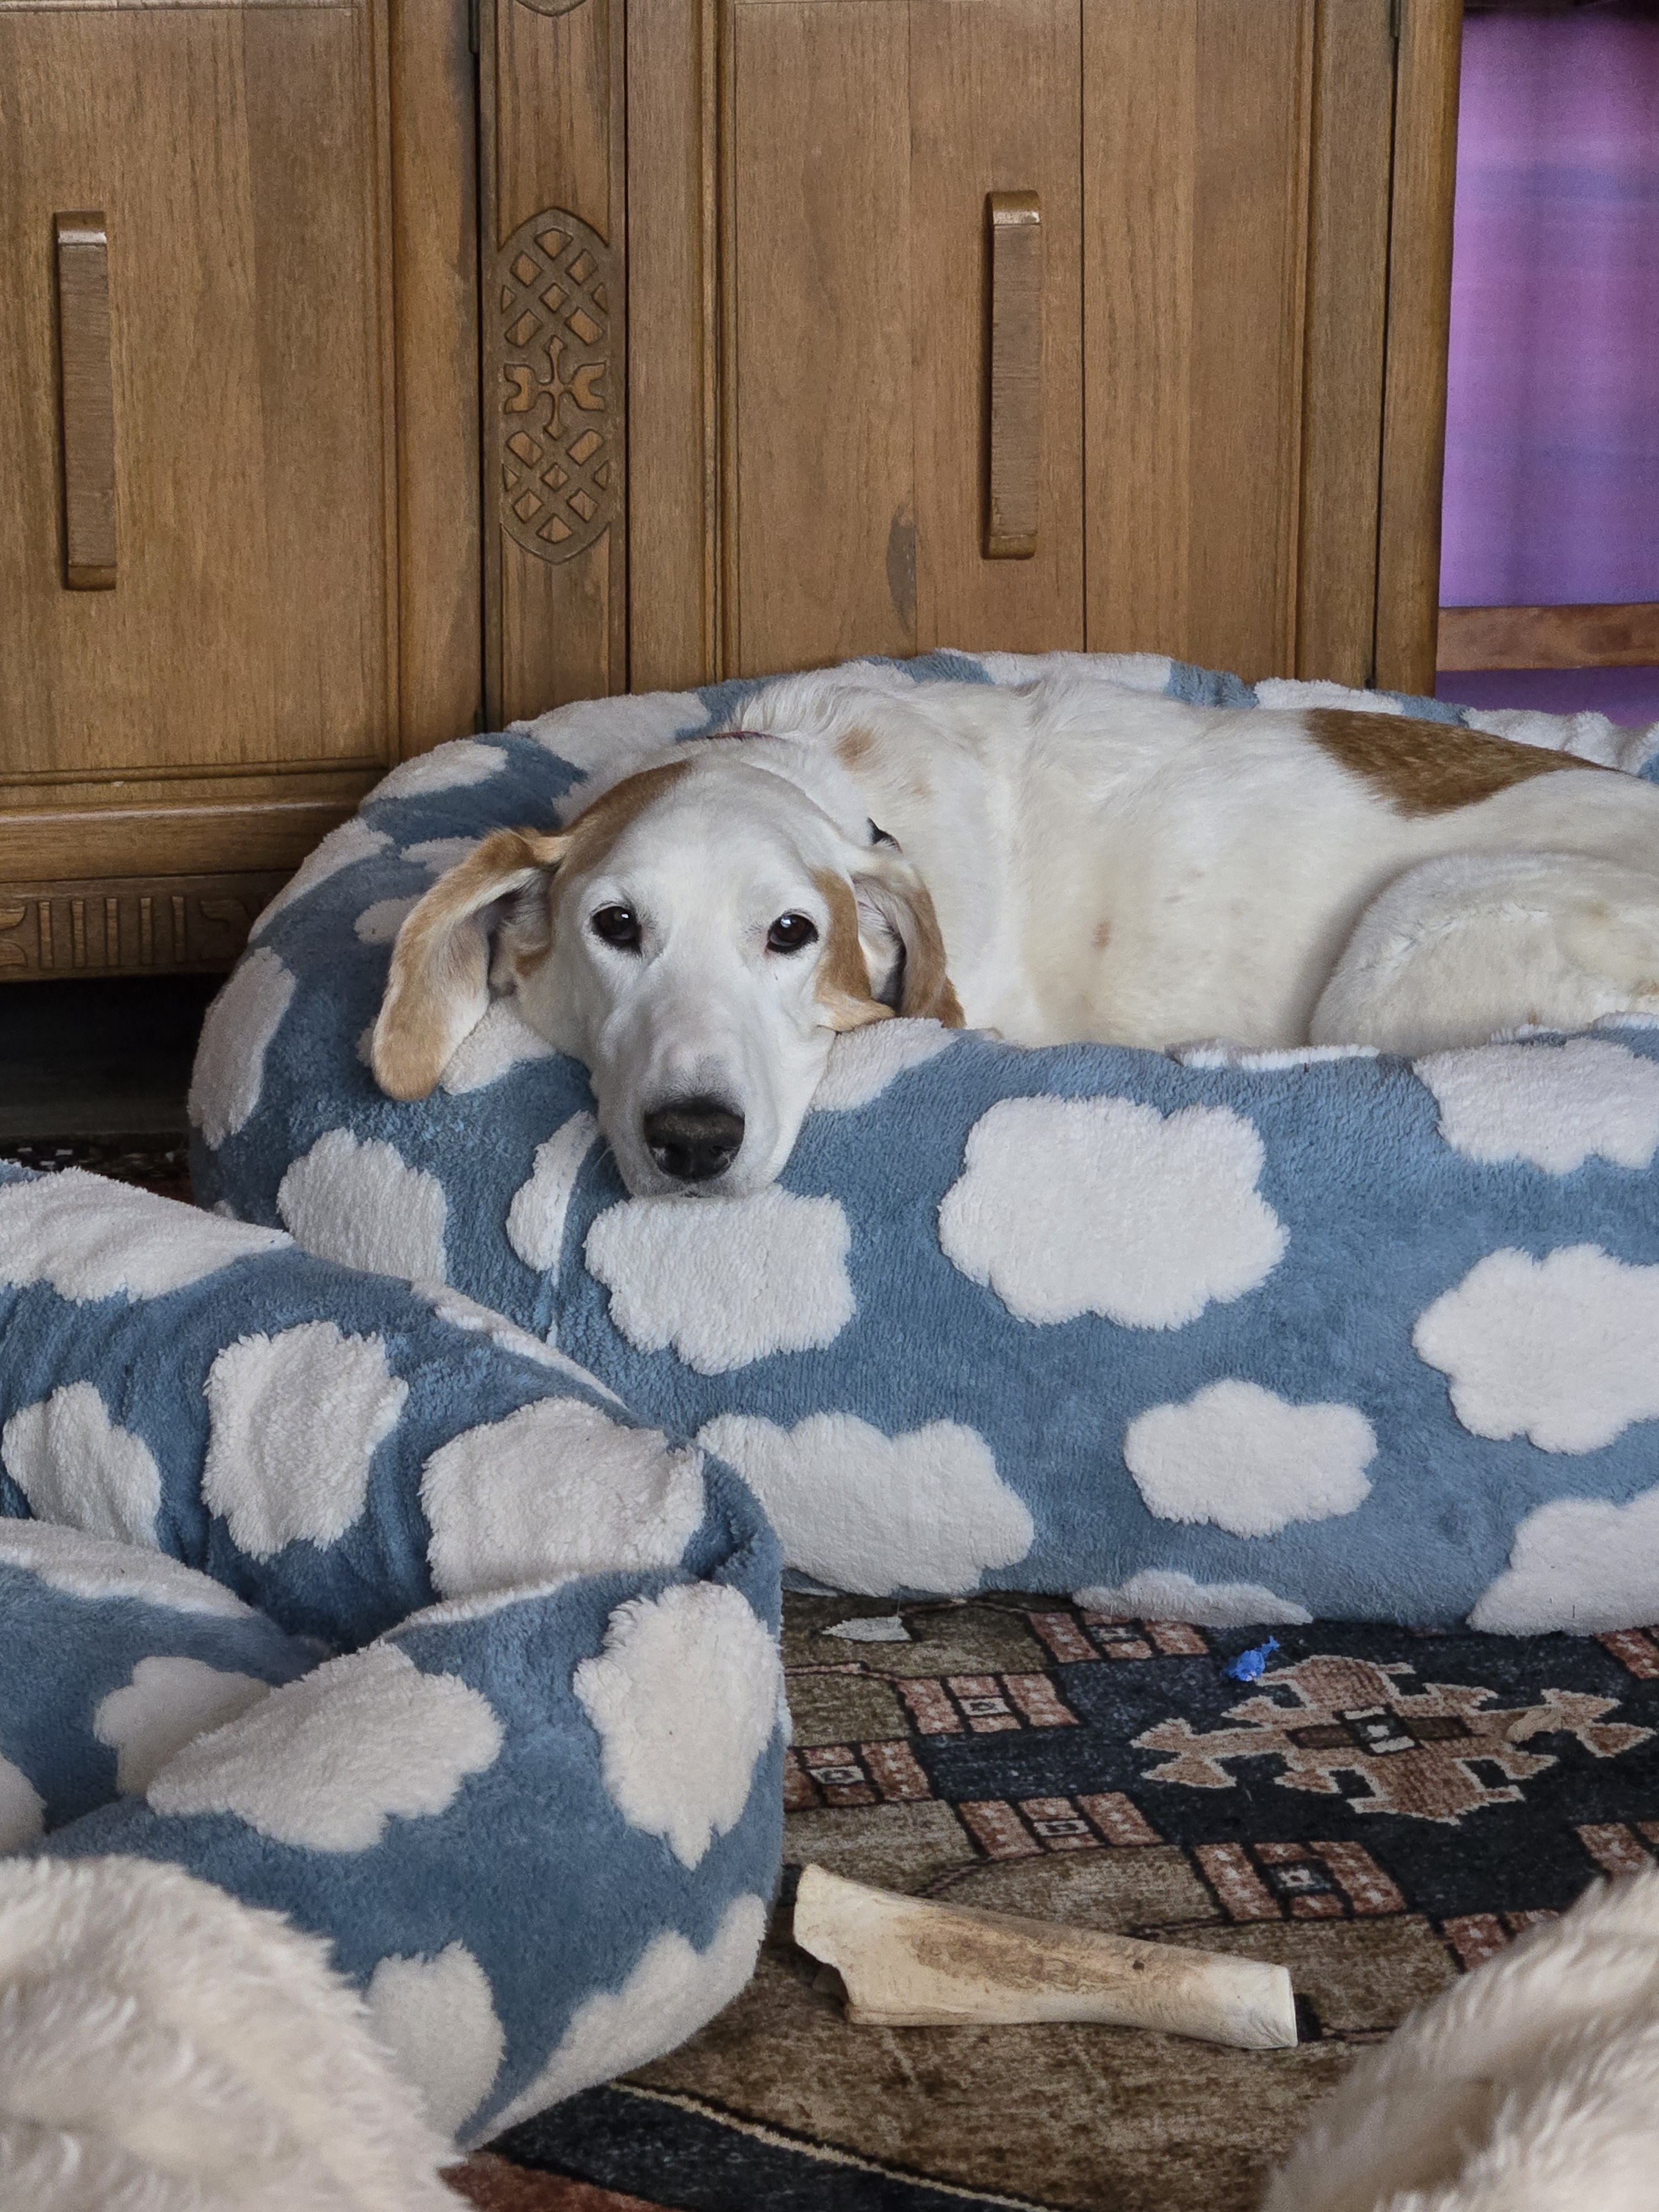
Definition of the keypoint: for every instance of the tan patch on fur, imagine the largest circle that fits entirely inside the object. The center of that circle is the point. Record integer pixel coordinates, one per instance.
(929, 993)
(1102, 934)
(592, 834)
(594, 831)
(1427, 768)
(441, 963)
(854, 746)
(842, 985)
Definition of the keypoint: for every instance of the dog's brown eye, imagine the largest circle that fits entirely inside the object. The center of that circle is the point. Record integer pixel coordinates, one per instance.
(618, 926)
(791, 933)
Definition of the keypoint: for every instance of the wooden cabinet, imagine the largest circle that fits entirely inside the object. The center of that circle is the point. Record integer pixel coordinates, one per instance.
(1234, 439)
(209, 223)
(701, 358)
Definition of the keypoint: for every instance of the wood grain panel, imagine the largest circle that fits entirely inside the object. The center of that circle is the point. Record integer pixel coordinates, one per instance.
(1353, 136)
(1612, 636)
(234, 152)
(164, 839)
(1419, 323)
(434, 201)
(1196, 138)
(554, 142)
(995, 106)
(823, 512)
(672, 423)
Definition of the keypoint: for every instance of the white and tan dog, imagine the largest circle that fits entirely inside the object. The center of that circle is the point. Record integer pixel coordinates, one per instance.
(1068, 861)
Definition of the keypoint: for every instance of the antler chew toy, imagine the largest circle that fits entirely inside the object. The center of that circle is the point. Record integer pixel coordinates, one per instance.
(906, 1962)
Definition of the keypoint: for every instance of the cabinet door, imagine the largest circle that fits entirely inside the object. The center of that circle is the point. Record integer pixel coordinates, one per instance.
(230, 685)
(1195, 138)
(857, 142)
(246, 626)
(1266, 215)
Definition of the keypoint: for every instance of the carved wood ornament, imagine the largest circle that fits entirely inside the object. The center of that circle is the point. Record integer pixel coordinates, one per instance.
(162, 923)
(561, 471)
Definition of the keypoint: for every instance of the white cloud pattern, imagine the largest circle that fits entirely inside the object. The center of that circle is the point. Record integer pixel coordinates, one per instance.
(536, 1218)
(167, 1704)
(22, 1808)
(462, 762)
(1164, 1594)
(230, 1060)
(924, 1510)
(1560, 1349)
(364, 1205)
(493, 1047)
(294, 1422)
(684, 1697)
(76, 1465)
(614, 734)
(99, 1567)
(1555, 1106)
(92, 1239)
(727, 1281)
(462, 1312)
(863, 1062)
(672, 1989)
(327, 1761)
(556, 1488)
(1580, 1564)
(344, 847)
(437, 2017)
(1074, 1206)
(1247, 1460)
(378, 924)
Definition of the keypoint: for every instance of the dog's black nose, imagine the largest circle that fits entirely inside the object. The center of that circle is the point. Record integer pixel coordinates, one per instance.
(693, 1138)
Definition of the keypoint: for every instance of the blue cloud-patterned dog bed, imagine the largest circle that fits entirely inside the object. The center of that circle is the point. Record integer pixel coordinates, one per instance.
(1207, 1334)
(353, 1602)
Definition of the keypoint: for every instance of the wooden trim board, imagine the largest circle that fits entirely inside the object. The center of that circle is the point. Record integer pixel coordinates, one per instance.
(1612, 636)
(128, 925)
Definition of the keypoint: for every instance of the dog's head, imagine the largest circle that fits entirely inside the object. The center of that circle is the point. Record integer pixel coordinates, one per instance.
(698, 937)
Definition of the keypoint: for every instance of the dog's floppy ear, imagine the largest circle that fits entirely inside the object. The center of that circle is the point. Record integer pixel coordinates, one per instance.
(896, 907)
(439, 986)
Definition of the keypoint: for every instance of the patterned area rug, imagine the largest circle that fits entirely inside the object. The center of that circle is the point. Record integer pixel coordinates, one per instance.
(1380, 1811)
(157, 1164)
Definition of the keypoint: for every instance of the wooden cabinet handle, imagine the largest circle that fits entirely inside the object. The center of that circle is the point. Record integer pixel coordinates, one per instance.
(1015, 384)
(86, 401)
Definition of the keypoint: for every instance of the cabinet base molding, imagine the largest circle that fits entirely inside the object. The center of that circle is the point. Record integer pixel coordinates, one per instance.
(128, 925)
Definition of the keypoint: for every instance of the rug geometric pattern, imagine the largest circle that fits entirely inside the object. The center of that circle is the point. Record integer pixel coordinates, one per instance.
(1381, 1811)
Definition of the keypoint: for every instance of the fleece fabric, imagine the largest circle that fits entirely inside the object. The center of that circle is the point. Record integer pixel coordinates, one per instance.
(345, 1598)
(1213, 1335)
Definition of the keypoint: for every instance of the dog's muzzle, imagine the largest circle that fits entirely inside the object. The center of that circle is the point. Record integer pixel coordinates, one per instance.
(693, 1139)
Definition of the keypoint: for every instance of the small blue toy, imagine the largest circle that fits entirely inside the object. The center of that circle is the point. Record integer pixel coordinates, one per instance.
(1251, 1665)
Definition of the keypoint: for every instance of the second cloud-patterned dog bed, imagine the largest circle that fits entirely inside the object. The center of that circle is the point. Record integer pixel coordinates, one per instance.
(351, 1603)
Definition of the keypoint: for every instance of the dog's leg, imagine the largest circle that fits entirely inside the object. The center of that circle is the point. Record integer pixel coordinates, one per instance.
(1457, 950)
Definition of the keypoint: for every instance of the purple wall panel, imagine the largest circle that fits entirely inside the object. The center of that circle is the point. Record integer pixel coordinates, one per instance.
(1552, 428)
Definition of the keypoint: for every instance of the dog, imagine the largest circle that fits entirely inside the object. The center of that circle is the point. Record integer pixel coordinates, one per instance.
(1068, 861)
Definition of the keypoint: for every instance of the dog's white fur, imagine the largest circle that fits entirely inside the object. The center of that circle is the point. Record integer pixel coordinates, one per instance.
(166, 2048)
(1530, 2085)
(1078, 862)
